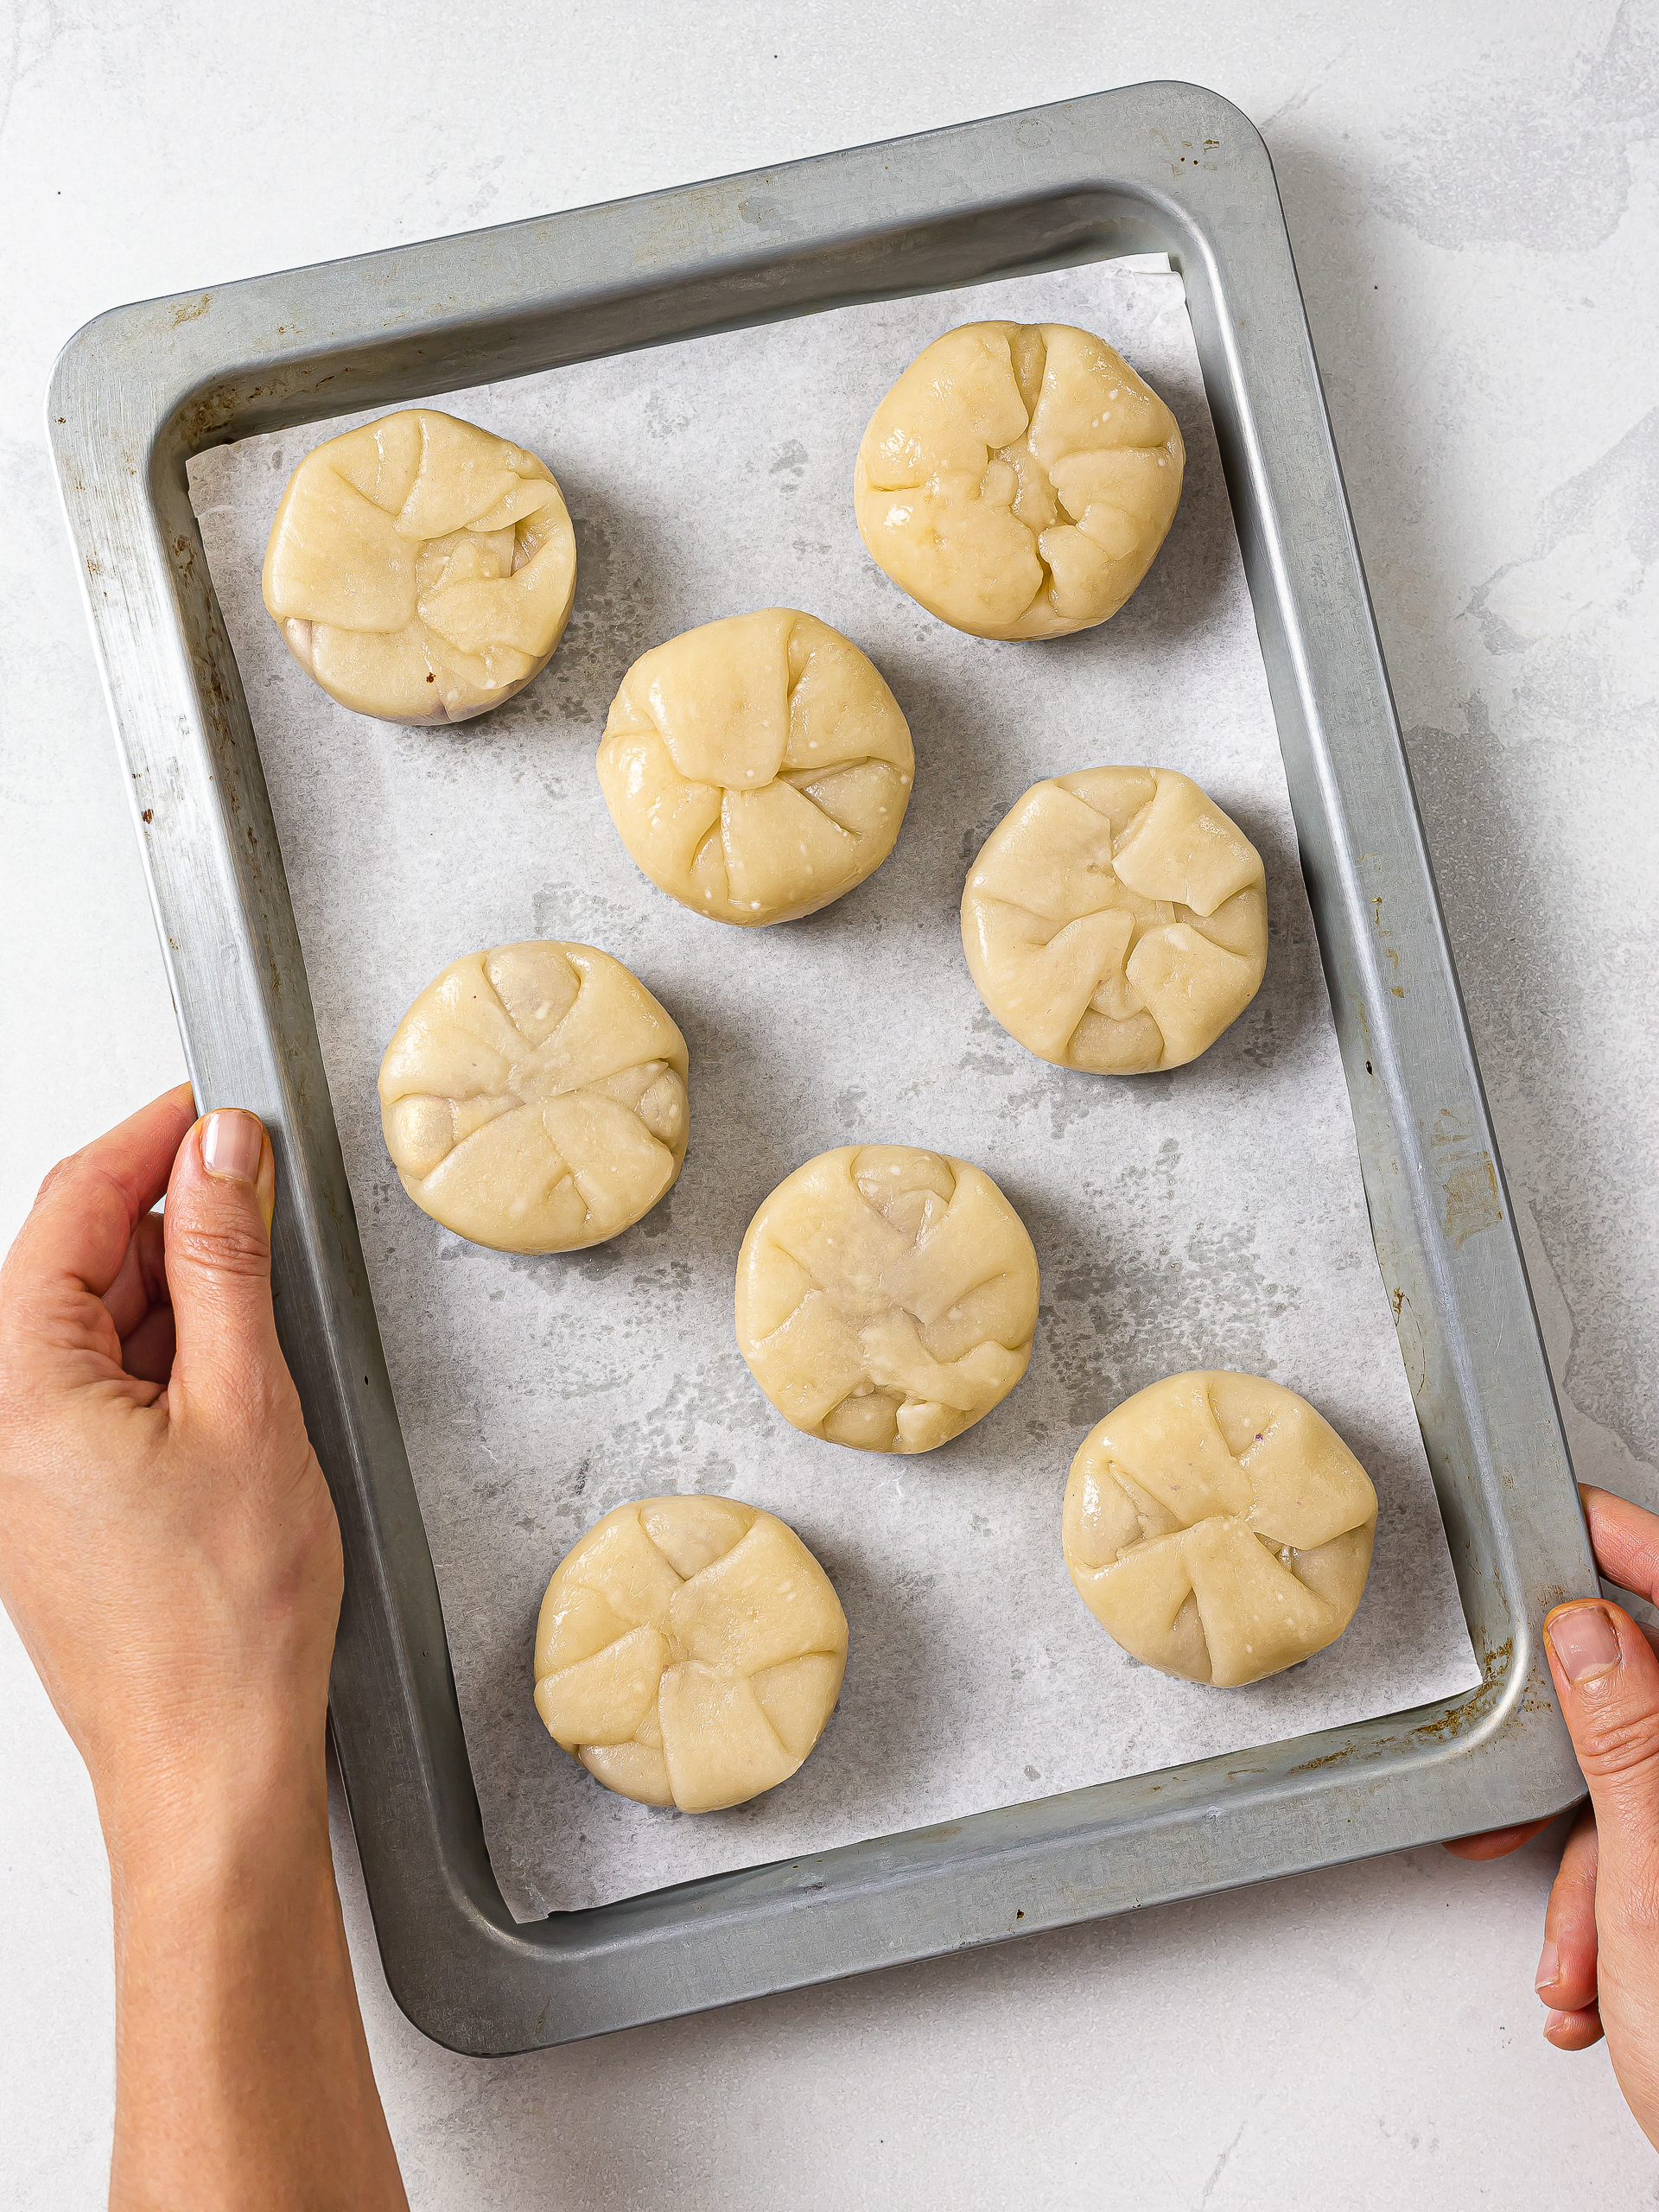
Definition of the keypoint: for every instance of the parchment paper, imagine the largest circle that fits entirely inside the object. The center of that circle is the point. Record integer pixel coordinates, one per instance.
(1212, 1216)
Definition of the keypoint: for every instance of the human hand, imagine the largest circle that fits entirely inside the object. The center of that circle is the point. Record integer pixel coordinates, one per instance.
(1599, 1970)
(170, 1554)
(169, 1549)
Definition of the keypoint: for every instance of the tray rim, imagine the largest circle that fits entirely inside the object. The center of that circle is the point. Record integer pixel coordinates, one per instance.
(1153, 167)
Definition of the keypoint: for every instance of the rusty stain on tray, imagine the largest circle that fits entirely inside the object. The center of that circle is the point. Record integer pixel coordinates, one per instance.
(1472, 1202)
(1495, 1663)
(1385, 932)
(1454, 1721)
(1470, 1184)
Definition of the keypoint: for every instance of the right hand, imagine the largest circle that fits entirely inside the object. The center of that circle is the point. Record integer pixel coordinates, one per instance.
(1598, 1973)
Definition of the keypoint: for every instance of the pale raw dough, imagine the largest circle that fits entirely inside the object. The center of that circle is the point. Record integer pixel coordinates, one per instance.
(689, 1651)
(421, 568)
(1018, 480)
(1218, 1527)
(533, 1098)
(887, 1297)
(757, 767)
(1116, 920)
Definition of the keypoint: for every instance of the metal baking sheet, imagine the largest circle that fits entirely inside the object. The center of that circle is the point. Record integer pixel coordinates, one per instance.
(1159, 168)
(1213, 1216)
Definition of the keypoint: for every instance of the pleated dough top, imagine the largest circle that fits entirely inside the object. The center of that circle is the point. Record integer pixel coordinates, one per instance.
(420, 568)
(1218, 1527)
(1018, 479)
(887, 1297)
(756, 768)
(688, 1652)
(533, 1098)
(1116, 920)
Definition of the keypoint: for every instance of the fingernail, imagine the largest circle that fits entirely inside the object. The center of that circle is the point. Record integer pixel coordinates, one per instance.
(1553, 2021)
(231, 1143)
(1584, 1640)
(1549, 1967)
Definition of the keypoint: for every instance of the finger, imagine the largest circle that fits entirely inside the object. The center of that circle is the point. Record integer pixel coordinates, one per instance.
(140, 1283)
(1567, 1966)
(1606, 1675)
(76, 1238)
(1573, 2030)
(1625, 1539)
(1496, 1843)
(219, 1211)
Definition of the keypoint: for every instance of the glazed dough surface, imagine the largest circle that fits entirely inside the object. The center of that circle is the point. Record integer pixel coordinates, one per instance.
(533, 1098)
(1018, 480)
(757, 767)
(1116, 920)
(1218, 1527)
(689, 1651)
(887, 1297)
(421, 568)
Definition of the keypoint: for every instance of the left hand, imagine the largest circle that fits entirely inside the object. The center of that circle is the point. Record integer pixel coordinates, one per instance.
(170, 1554)
(169, 1549)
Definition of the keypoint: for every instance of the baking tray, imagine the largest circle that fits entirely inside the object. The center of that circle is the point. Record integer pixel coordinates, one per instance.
(1155, 167)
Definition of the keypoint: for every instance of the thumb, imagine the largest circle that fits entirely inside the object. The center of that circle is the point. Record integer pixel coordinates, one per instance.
(1607, 1676)
(220, 1202)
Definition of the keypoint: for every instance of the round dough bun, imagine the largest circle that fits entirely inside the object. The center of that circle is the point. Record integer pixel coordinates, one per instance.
(887, 1297)
(688, 1652)
(1218, 1527)
(533, 1098)
(1018, 480)
(1116, 920)
(756, 768)
(421, 568)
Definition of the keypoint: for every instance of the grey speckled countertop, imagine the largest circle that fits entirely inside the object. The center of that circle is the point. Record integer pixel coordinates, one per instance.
(1473, 196)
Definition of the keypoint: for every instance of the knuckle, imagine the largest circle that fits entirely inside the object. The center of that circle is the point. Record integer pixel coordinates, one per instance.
(54, 1175)
(234, 1248)
(1619, 1742)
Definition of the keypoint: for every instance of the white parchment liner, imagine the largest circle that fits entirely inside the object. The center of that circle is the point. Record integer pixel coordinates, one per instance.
(1212, 1216)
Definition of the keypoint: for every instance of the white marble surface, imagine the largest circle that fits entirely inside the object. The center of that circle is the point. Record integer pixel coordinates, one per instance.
(1473, 196)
